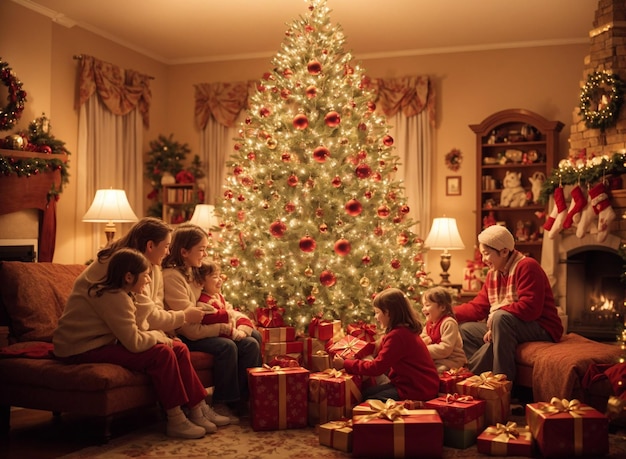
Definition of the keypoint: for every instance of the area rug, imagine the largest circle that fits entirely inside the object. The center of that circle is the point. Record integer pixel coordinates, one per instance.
(241, 442)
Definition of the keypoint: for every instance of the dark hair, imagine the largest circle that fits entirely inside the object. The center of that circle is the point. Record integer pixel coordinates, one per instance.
(401, 313)
(185, 236)
(145, 230)
(442, 297)
(124, 260)
(206, 269)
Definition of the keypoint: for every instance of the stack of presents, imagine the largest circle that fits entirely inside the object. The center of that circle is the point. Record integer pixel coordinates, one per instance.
(297, 387)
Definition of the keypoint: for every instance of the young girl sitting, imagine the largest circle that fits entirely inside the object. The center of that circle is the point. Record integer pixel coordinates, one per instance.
(402, 353)
(102, 327)
(441, 334)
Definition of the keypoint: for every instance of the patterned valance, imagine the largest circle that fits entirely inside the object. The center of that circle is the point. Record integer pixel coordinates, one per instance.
(224, 101)
(121, 91)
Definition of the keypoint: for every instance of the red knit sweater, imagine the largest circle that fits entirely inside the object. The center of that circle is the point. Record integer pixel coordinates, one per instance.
(405, 357)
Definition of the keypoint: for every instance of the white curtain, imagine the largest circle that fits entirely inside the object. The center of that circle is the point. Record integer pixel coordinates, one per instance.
(412, 139)
(216, 144)
(109, 156)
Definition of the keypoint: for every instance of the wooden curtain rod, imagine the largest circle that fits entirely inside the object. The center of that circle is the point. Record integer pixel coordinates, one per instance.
(80, 57)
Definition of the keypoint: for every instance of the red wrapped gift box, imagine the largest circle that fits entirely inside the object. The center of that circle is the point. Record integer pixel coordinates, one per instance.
(495, 389)
(310, 346)
(505, 440)
(457, 410)
(286, 361)
(363, 331)
(325, 329)
(278, 397)
(271, 316)
(320, 361)
(350, 347)
(565, 428)
(277, 334)
(337, 435)
(271, 350)
(384, 430)
(332, 395)
(449, 378)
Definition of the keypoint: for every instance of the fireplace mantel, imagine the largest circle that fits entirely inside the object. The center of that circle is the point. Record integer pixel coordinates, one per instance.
(21, 193)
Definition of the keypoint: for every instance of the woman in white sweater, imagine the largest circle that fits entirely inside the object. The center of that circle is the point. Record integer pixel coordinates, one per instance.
(127, 331)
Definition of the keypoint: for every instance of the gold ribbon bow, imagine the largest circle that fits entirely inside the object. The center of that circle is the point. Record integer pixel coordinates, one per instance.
(390, 410)
(451, 398)
(487, 378)
(456, 372)
(504, 432)
(558, 405)
(340, 424)
(321, 353)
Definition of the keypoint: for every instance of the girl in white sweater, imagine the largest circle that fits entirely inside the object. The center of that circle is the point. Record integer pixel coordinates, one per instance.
(103, 327)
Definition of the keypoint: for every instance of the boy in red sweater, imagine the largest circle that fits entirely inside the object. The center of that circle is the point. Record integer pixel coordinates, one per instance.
(402, 354)
(517, 302)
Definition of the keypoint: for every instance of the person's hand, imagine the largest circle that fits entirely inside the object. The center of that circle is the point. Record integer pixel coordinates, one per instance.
(337, 363)
(246, 329)
(489, 321)
(193, 315)
(487, 337)
(238, 335)
(427, 340)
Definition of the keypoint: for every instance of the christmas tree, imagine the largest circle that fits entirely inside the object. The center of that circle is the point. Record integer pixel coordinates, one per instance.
(313, 223)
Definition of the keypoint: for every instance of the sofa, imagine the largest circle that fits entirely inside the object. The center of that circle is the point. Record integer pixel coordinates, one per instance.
(32, 298)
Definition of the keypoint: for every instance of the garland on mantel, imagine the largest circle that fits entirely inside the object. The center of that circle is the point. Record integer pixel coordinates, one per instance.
(584, 171)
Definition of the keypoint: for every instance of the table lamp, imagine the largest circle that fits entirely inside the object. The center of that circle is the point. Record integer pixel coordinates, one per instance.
(444, 235)
(204, 217)
(110, 206)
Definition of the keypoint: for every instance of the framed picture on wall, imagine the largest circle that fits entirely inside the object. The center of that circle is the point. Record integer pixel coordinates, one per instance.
(453, 186)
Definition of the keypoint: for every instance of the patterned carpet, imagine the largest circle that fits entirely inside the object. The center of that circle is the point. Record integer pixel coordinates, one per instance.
(241, 442)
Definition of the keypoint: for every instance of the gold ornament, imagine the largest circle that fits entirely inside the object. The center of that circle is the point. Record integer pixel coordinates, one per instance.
(365, 282)
(308, 272)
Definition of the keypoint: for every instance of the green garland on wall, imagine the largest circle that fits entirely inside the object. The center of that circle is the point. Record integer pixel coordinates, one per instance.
(590, 171)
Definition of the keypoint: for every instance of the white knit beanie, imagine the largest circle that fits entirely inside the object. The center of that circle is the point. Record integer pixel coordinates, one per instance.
(498, 237)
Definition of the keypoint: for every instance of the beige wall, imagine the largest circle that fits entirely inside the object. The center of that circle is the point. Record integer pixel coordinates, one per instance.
(469, 87)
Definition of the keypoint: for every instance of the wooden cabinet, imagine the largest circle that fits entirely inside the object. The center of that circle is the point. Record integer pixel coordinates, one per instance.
(179, 201)
(512, 146)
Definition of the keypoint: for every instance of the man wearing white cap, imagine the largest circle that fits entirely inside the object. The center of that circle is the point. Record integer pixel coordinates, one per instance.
(517, 302)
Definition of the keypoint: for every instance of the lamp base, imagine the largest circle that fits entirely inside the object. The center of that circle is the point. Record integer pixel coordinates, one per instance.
(445, 265)
(109, 231)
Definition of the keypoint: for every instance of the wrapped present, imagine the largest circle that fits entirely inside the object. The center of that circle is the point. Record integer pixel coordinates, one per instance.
(277, 334)
(458, 410)
(384, 430)
(350, 347)
(494, 389)
(320, 361)
(286, 361)
(505, 440)
(564, 428)
(310, 346)
(449, 378)
(463, 436)
(325, 329)
(337, 435)
(270, 317)
(278, 397)
(271, 350)
(332, 394)
(363, 331)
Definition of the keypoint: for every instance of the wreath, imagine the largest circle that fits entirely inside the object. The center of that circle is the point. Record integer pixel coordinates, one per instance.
(601, 99)
(10, 114)
(454, 160)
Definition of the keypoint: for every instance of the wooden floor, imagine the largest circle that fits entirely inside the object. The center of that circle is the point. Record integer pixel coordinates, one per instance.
(38, 434)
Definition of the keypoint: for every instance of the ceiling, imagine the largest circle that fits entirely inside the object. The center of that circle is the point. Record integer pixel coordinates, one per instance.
(191, 31)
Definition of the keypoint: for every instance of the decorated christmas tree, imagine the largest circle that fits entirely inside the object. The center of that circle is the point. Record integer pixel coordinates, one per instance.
(313, 222)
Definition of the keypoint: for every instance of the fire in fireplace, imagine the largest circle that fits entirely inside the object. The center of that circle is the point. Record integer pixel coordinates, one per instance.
(595, 293)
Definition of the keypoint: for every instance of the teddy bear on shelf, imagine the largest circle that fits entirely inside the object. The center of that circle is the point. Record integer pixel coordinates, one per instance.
(513, 193)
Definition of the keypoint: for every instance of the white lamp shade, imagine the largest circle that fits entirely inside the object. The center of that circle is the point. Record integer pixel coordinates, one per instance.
(204, 216)
(110, 206)
(444, 235)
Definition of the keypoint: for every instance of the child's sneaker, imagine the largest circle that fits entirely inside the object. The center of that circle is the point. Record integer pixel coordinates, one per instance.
(204, 422)
(184, 429)
(214, 417)
(224, 410)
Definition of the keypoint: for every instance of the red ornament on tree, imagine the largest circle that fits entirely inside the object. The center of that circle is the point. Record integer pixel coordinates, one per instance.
(320, 154)
(342, 247)
(363, 171)
(314, 67)
(383, 211)
(354, 207)
(286, 157)
(288, 73)
(285, 93)
(332, 119)
(336, 182)
(311, 92)
(264, 112)
(241, 215)
(292, 180)
(405, 209)
(328, 279)
(366, 260)
(300, 121)
(234, 262)
(277, 229)
(307, 244)
(310, 299)
(388, 140)
(323, 228)
(237, 170)
(395, 263)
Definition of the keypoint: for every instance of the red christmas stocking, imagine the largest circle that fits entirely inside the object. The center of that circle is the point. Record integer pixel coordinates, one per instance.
(579, 201)
(598, 206)
(554, 223)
